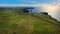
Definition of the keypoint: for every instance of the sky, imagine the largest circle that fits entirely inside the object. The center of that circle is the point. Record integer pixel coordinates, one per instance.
(26, 1)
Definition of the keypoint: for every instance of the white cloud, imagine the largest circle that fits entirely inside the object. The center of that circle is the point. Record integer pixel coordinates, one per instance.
(53, 9)
(33, 5)
(13, 4)
(30, 1)
(58, 1)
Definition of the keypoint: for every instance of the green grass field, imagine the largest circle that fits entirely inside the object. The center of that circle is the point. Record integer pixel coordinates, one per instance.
(12, 22)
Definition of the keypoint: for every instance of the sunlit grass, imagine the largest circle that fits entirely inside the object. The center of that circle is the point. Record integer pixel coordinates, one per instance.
(25, 23)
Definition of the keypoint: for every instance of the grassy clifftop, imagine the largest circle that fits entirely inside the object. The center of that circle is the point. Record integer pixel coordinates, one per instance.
(12, 22)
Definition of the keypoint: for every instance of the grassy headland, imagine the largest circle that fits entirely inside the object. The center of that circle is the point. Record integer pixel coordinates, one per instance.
(13, 22)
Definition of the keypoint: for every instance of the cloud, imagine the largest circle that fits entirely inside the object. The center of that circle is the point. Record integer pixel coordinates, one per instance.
(58, 1)
(50, 7)
(31, 1)
(33, 5)
(13, 5)
(53, 9)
